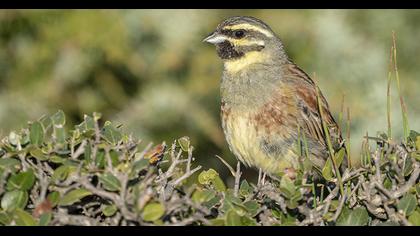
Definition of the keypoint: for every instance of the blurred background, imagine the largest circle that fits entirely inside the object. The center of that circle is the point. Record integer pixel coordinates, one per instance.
(149, 70)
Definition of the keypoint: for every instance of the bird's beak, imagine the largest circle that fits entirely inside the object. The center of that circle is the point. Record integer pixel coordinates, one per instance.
(215, 38)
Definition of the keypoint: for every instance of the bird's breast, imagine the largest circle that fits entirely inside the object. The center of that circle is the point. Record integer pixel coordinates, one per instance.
(258, 139)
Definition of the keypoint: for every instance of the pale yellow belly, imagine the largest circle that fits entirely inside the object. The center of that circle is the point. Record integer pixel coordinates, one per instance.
(244, 140)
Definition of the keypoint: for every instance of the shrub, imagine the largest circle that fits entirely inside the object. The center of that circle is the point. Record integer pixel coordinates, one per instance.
(94, 175)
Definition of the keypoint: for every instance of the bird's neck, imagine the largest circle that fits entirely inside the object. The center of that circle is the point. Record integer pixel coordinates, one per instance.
(249, 88)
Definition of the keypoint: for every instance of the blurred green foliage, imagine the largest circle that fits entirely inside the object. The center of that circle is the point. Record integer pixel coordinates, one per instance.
(149, 70)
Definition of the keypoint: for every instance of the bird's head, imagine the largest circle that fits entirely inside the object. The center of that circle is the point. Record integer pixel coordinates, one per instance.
(245, 40)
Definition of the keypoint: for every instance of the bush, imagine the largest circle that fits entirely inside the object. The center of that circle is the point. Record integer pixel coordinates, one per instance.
(96, 175)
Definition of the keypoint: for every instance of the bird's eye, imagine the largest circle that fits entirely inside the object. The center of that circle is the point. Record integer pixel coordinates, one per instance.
(239, 34)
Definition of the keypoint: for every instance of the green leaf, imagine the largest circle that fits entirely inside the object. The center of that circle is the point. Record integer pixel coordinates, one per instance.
(407, 204)
(245, 189)
(276, 213)
(14, 199)
(139, 166)
(57, 159)
(36, 133)
(111, 134)
(327, 171)
(74, 196)
(288, 220)
(414, 218)
(59, 118)
(408, 167)
(45, 219)
(54, 198)
(418, 142)
(87, 127)
(212, 202)
(387, 183)
(100, 159)
(153, 211)
(110, 182)
(334, 205)
(184, 143)
(287, 186)
(207, 176)
(248, 221)
(252, 207)
(5, 218)
(339, 156)
(14, 138)
(62, 172)
(217, 222)
(329, 216)
(292, 203)
(200, 196)
(231, 202)
(233, 219)
(59, 134)
(413, 136)
(355, 217)
(23, 218)
(38, 154)
(9, 164)
(22, 181)
(212, 177)
(109, 210)
(218, 184)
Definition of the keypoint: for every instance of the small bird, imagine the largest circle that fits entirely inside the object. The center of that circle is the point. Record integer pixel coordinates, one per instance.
(267, 102)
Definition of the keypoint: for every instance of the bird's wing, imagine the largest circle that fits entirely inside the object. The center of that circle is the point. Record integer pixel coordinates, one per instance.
(307, 101)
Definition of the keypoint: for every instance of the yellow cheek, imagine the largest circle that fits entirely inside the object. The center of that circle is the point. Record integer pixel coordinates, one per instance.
(233, 66)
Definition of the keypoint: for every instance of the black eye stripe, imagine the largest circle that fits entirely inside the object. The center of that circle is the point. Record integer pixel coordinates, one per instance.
(247, 32)
(231, 33)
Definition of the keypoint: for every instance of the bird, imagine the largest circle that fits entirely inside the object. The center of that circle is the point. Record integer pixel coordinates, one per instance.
(268, 104)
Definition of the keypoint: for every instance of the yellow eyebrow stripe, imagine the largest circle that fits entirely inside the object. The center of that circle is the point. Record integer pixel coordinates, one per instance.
(246, 26)
(245, 42)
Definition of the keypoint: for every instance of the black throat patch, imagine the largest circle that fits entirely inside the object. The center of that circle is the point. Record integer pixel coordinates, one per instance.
(225, 50)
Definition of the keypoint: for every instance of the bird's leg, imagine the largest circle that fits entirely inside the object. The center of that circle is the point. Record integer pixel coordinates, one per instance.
(237, 178)
(259, 178)
(263, 178)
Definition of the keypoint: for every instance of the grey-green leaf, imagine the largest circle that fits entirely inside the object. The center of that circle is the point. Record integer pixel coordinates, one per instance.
(14, 199)
(21, 181)
(9, 164)
(111, 134)
(245, 189)
(184, 143)
(407, 204)
(353, 217)
(74, 196)
(110, 182)
(23, 218)
(153, 211)
(54, 198)
(36, 133)
(415, 218)
(58, 118)
(109, 210)
(45, 219)
(5, 218)
(327, 171)
(287, 186)
(232, 218)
